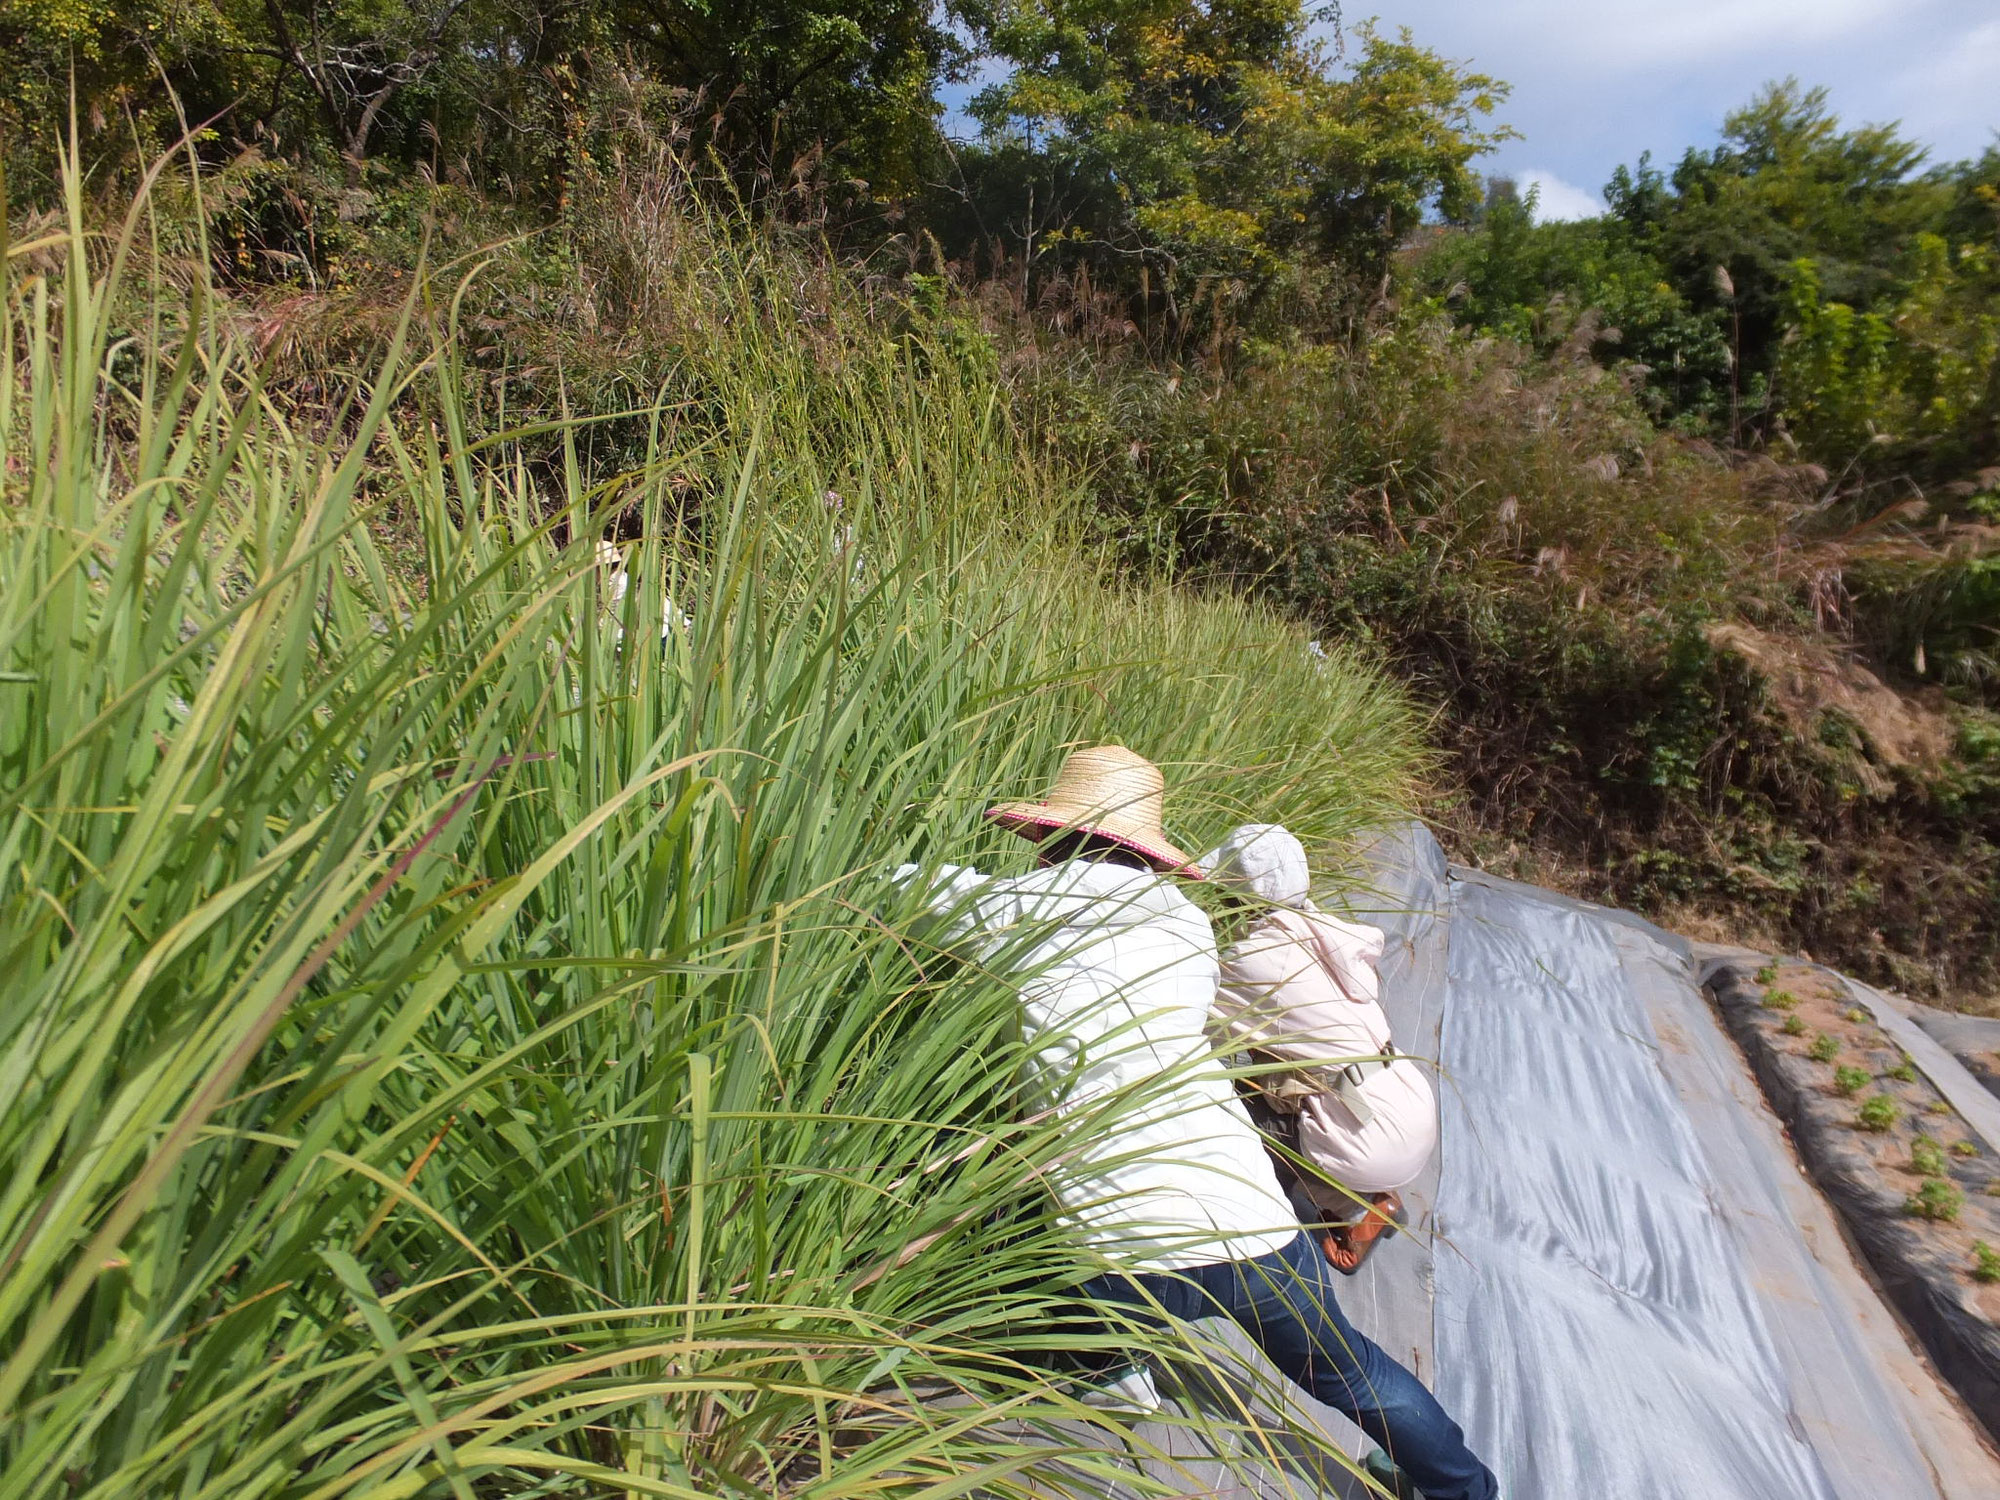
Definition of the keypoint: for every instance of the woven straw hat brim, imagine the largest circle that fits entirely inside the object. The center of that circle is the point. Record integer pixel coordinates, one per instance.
(1036, 820)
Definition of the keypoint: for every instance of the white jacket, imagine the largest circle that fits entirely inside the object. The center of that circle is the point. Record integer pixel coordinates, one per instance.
(1301, 986)
(1118, 973)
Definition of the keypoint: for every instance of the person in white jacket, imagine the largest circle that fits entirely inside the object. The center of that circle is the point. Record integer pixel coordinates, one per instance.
(1170, 1182)
(1300, 987)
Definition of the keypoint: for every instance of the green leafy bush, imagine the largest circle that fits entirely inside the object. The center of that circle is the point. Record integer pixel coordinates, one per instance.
(1936, 1199)
(1926, 1157)
(1878, 1114)
(1848, 1081)
(1824, 1048)
(1985, 1262)
(1964, 1148)
(1874, 385)
(1780, 1000)
(1904, 1072)
(1794, 1026)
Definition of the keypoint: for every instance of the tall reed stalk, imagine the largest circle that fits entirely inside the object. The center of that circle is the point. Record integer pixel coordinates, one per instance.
(453, 1036)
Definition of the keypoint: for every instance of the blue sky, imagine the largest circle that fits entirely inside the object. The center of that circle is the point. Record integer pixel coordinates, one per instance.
(1596, 83)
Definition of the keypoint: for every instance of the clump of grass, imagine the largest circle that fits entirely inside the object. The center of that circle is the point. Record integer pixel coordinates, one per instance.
(1855, 1015)
(1849, 1081)
(1878, 1114)
(1824, 1048)
(1936, 1200)
(1985, 1262)
(1904, 1072)
(1937, 1107)
(1964, 1148)
(1768, 974)
(1794, 1026)
(1926, 1157)
(1780, 1000)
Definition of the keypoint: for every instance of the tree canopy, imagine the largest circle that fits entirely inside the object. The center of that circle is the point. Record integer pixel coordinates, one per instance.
(1198, 153)
(1217, 147)
(1803, 281)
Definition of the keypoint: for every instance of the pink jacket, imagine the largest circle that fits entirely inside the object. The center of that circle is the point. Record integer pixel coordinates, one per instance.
(1301, 986)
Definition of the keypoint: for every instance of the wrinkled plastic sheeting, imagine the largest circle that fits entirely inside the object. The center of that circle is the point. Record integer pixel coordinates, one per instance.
(1594, 1318)
(1622, 1292)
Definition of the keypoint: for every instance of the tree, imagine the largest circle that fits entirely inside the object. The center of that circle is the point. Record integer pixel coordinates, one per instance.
(1785, 182)
(1204, 151)
(1696, 269)
(783, 83)
(357, 61)
(842, 87)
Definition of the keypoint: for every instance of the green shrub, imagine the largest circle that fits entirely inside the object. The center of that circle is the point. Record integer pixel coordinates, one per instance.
(1794, 1026)
(1824, 1048)
(1926, 1157)
(1904, 1072)
(1780, 1000)
(1768, 974)
(1985, 1262)
(1936, 1199)
(1964, 1148)
(1878, 1114)
(1848, 1081)
(1855, 1015)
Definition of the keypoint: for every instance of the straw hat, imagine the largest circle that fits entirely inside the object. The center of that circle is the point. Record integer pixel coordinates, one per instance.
(1110, 791)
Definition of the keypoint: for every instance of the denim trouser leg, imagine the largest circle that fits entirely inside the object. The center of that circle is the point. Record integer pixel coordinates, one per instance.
(1285, 1302)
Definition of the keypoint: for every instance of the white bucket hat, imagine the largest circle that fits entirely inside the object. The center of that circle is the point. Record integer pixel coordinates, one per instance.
(1262, 860)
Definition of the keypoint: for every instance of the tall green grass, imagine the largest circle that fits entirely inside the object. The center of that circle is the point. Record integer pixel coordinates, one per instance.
(453, 1037)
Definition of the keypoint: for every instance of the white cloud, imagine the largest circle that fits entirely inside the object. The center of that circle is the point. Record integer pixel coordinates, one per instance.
(1557, 201)
(1645, 35)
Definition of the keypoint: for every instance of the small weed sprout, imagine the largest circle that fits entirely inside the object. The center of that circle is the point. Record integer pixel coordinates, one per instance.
(1993, 1188)
(1849, 1081)
(1878, 1114)
(1769, 973)
(1780, 1000)
(1937, 1200)
(1937, 1107)
(1926, 1157)
(1794, 1026)
(1855, 1015)
(1824, 1048)
(1985, 1262)
(1964, 1148)
(1904, 1072)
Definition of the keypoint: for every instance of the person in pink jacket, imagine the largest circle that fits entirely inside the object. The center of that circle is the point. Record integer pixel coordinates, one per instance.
(1300, 987)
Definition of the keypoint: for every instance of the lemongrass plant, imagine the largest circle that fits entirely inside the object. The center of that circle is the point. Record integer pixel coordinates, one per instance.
(453, 1038)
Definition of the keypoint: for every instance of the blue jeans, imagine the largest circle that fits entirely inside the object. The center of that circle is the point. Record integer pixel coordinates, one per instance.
(1285, 1302)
